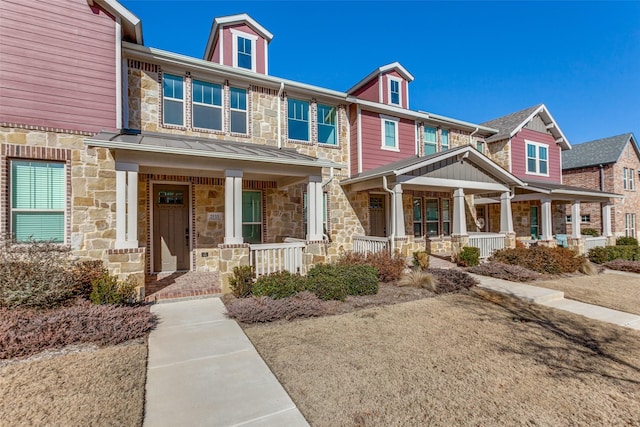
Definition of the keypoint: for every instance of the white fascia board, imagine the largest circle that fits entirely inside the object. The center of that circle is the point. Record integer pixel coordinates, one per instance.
(449, 120)
(587, 194)
(232, 19)
(119, 145)
(542, 108)
(395, 65)
(190, 63)
(116, 8)
(451, 183)
(566, 145)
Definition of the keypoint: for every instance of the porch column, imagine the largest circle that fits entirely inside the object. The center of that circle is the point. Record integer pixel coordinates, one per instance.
(399, 207)
(506, 217)
(233, 207)
(575, 220)
(606, 219)
(314, 208)
(126, 205)
(546, 228)
(459, 215)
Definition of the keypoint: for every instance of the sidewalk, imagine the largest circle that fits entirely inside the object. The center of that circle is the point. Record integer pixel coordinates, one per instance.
(555, 299)
(203, 370)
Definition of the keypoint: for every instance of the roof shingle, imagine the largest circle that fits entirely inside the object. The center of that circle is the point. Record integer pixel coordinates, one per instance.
(598, 152)
(507, 124)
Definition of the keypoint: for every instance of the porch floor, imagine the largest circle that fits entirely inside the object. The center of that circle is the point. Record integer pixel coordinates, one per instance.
(181, 284)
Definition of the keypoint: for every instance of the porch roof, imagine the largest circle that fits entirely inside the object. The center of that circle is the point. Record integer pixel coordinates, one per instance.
(205, 147)
(414, 171)
(567, 192)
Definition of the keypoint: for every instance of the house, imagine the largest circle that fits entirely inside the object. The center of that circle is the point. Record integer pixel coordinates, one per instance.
(608, 164)
(530, 144)
(160, 162)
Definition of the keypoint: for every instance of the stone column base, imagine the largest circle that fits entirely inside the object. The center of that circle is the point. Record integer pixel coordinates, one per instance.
(509, 240)
(231, 256)
(458, 242)
(315, 253)
(577, 245)
(611, 241)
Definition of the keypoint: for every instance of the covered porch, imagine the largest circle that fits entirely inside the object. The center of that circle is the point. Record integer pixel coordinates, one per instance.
(429, 203)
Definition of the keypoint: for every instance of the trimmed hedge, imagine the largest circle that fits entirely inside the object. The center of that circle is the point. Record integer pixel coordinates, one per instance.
(265, 309)
(626, 241)
(605, 254)
(499, 270)
(389, 267)
(278, 285)
(469, 256)
(541, 259)
(451, 280)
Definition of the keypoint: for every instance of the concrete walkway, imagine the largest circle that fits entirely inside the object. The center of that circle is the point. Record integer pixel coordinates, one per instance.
(203, 370)
(555, 299)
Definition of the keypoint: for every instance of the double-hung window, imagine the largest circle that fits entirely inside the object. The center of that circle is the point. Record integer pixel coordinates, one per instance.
(394, 91)
(38, 197)
(244, 53)
(627, 179)
(173, 100)
(298, 119)
(630, 225)
(326, 124)
(252, 216)
(445, 139)
(446, 216)
(207, 105)
(432, 217)
(417, 216)
(537, 158)
(389, 133)
(430, 141)
(238, 111)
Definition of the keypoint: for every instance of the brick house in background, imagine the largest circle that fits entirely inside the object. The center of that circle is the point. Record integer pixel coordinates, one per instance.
(608, 164)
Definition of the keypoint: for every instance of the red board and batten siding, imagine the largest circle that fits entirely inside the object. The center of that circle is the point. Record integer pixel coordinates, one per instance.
(58, 67)
(227, 46)
(519, 155)
(372, 153)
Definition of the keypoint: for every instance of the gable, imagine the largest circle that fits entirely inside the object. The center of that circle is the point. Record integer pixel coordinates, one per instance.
(452, 168)
(537, 124)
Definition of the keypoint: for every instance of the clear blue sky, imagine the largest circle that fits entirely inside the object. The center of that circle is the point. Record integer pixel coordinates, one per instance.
(472, 61)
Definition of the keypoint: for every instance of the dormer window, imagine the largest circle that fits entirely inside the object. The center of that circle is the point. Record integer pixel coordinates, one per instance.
(244, 48)
(394, 91)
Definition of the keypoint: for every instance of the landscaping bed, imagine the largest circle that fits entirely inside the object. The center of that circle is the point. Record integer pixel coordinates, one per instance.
(463, 359)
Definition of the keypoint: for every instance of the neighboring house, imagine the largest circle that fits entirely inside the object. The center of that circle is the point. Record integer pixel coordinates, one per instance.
(612, 165)
(529, 144)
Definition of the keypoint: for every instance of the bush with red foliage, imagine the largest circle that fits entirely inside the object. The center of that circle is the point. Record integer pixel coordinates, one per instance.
(390, 267)
(499, 270)
(24, 332)
(541, 259)
(451, 280)
(623, 265)
(264, 309)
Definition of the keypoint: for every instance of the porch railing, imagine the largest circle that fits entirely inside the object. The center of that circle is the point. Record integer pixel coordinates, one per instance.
(594, 242)
(488, 243)
(275, 257)
(370, 244)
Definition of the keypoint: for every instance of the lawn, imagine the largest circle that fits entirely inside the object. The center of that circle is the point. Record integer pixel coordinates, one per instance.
(611, 290)
(90, 387)
(461, 359)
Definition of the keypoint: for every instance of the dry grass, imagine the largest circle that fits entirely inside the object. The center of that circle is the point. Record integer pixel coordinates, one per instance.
(612, 290)
(456, 360)
(99, 387)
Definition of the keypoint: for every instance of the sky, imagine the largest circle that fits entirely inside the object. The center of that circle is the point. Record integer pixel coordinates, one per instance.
(472, 61)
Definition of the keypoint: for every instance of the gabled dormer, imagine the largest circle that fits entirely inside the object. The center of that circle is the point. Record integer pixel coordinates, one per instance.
(240, 42)
(388, 84)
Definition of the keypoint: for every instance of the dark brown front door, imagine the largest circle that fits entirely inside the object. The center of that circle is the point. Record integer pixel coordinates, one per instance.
(171, 232)
(377, 215)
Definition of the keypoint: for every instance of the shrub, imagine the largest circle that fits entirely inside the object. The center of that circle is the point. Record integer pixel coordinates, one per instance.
(469, 256)
(499, 270)
(590, 232)
(623, 265)
(24, 332)
(602, 255)
(417, 278)
(84, 273)
(35, 274)
(241, 283)
(107, 289)
(389, 267)
(278, 285)
(451, 280)
(541, 259)
(359, 279)
(421, 259)
(626, 241)
(264, 309)
(352, 258)
(327, 282)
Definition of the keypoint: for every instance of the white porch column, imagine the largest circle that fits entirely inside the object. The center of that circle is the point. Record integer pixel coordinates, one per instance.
(506, 217)
(606, 219)
(126, 205)
(399, 207)
(459, 215)
(546, 228)
(233, 207)
(314, 208)
(575, 220)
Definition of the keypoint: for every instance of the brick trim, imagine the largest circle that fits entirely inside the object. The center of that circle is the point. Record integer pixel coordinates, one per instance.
(141, 65)
(233, 246)
(46, 128)
(126, 251)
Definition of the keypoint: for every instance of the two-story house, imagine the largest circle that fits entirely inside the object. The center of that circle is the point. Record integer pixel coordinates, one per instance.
(608, 164)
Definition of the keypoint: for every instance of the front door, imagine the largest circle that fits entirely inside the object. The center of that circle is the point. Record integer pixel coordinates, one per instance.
(170, 227)
(378, 218)
(535, 231)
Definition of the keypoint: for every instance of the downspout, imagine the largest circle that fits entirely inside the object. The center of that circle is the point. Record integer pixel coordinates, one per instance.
(324, 184)
(386, 188)
(279, 115)
(601, 178)
(471, 136)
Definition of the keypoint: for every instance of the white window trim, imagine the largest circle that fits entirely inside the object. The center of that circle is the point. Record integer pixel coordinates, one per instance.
(526, 158)
(395, 79)
(184, 89)
(384, 119)
(248, 36)
(317, 123)
(442, 139)
(309, 121)
(202, 104)
(246, 111)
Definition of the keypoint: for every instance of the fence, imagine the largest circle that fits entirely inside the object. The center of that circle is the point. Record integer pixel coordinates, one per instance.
(594, 242)
(487, 242)
(275, 257)
(368, 244)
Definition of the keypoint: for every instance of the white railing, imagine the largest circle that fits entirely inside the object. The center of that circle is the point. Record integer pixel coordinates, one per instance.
(275, 257)
(370, 244)
(488, 243)
(594, 242)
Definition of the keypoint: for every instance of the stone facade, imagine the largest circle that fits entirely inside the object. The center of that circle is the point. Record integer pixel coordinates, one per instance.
(500, 153)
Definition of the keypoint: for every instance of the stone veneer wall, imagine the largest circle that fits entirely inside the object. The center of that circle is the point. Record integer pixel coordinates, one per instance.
(500, 153)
